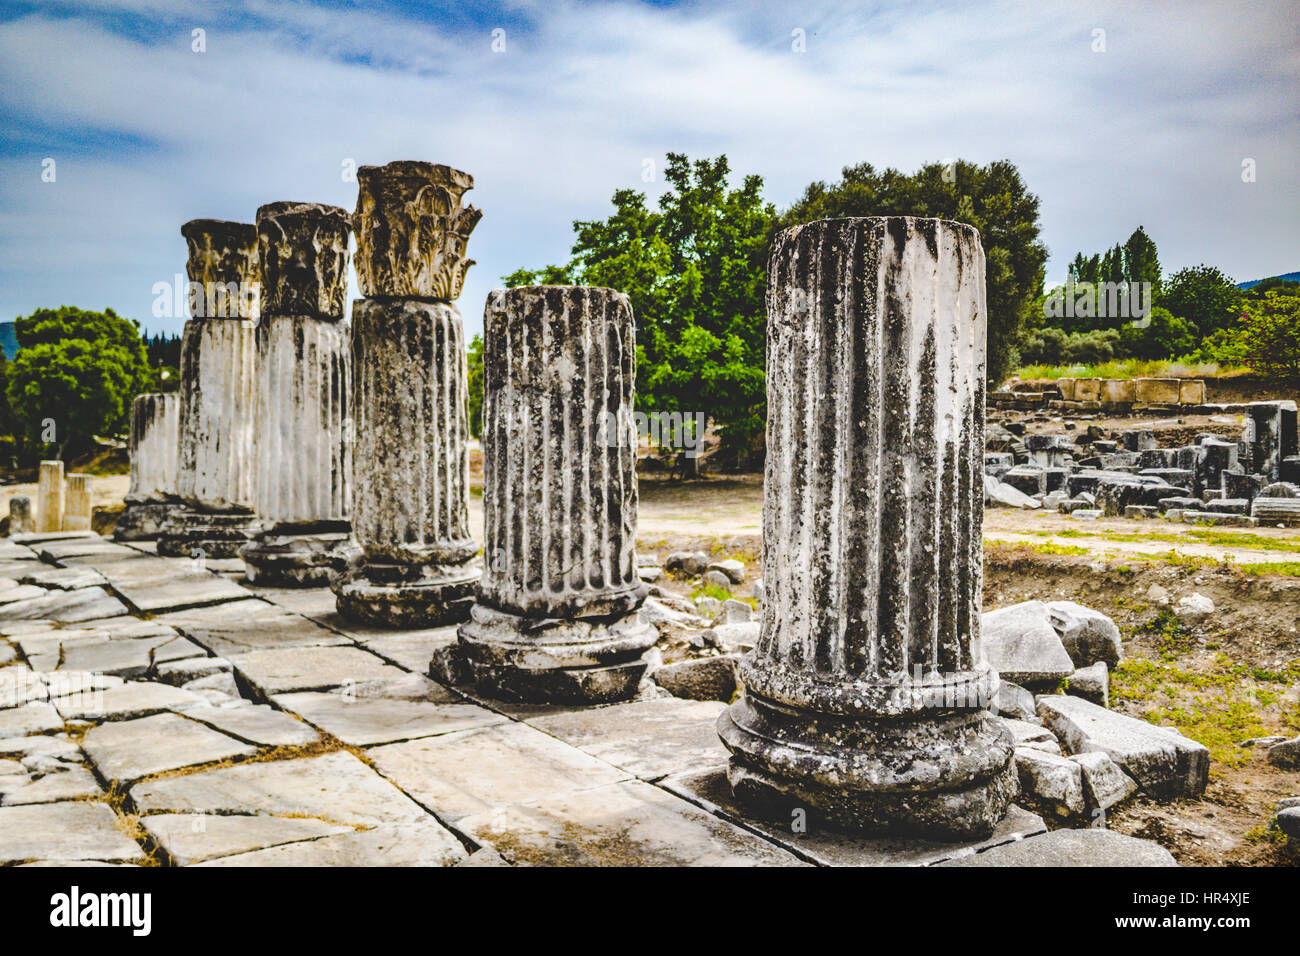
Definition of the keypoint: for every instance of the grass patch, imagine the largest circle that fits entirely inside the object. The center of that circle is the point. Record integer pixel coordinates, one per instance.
(1121, 368)
(1286, 569)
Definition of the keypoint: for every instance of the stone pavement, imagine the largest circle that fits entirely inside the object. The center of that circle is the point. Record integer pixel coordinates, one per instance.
(155, 711)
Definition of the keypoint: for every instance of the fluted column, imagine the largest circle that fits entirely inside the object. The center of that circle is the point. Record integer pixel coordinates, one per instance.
(49, 496)
(557, 613)
(301, 480)
(78, 496)
(153, 445)
(410, 456)
(865, 699)
(215, 451)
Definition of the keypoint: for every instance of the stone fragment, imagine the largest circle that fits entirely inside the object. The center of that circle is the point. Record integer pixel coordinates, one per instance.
(703, 678)
(1091, 683)
(1014, 701)
(1001, 495)
(70, 783)
(1088, 636)
(689, 563)
(1193, 608)
(1021, 644)
(1286, 754)
(20, 515)
(716, 579)
(1034, 736)
(1104, 784)
(733, 569)
(1050, 781)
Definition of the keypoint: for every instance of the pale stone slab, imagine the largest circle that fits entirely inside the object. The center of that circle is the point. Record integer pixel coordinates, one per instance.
(292, 669)
(159, 585)
(127, 750)
(38, 744)
(125, 657)
(194, 837)
(1068, 848)
(22, 592)
(649, 738)
(13, 551)
(20, 686)
(34, 718)
(63, 579)
(1022, 646)
(90, 547)
(132, 699)
(830, 847)
(251, 625)
(334, 787)
(65, 607)
(475, 770)
(421, 844)
(75, 830)
(73, 783)
(309, 602)
(622, 824)
(363, 721)
(257, 724)
(411, 649)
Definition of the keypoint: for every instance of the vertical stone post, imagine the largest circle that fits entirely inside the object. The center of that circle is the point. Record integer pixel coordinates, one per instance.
(865, 698)
(153, 444)
(557, 616)
(76, 506)
(20, 515)
(410, 411)
(215, 451)
(49, 497)
(302, 474)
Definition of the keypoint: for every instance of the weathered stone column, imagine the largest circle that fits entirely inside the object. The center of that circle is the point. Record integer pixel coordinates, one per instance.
(20, 515)
(76, 505)
(301, 480)
(557, 616)
(215, 456)
(154, 441)
(410, 465)
(49, 496)
(865, 698)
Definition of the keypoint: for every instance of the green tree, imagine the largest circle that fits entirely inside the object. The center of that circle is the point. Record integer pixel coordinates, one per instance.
(1267, 336)
(695, 271)
(1141, 263)
(474, 359)
(992, 198)
(1203, 296)
(74, 376)
(1165, 336)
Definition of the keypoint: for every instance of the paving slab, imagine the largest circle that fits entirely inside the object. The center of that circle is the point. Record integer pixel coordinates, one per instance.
(27, 746)
(34, 718)
(420, 844)
(124, 657)
(257, 724)
(11, 550)
(20, 686)
(412, 649)
(829, 847)
(335, 787)
(291, 669)
(132, 699)
(75, 830)
(650, 738)
(249, 625)
(475, 770)
(622, 824)
(63, 579)
(309, 602)
(1092, 847)
(75, 783)
(194, 837)
(126, 750)
(21, 592)
(64, 607)
(364, 721)
(92, 547)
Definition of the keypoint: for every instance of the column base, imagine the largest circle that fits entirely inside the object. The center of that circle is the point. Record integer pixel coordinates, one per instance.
(947, 775)
(406, 596)
(143, 520)
(554, 660)
(300, 557)
(216, 534)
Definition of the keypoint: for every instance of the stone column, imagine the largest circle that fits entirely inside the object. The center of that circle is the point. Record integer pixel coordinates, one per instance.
(215, 451)
(76, 505)
(410, 465)
(865, 699)
(49, 497)
(20, 515)
(301, 481)
(557, 616)
(154, 440)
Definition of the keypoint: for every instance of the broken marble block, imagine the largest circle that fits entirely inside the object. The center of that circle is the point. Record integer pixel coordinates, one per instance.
(1088, 636)
(1104, 783)
(1051, 782)
(1163, 761)
(1022, 646)
(1091, 683)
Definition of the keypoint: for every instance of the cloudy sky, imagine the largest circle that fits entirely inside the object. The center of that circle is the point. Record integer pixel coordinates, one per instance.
(146, 133)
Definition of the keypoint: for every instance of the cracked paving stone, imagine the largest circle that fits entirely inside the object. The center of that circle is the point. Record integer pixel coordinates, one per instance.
(622, 824)
(180, 591)
(131, 657)
(72, 783)
(74, 830)
(127, 750)
(648, 738)
(39, 744)
(132, 699)
(183, 671)
(18, 687)
(23, 592)
(363, 721)
(336, 787)
(251, 625)
(256, 723)
(311, 668)
(65, 607)
(420, 844)
(34, 718)
(412, 649)
(475, 770)
(64, 579)
(57, 551)
(194, 837)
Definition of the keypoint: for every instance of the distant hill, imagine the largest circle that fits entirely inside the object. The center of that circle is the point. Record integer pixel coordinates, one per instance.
(1289, 277)
(8, 341)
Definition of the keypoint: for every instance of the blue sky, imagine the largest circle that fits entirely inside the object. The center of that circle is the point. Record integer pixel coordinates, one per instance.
(146, 134)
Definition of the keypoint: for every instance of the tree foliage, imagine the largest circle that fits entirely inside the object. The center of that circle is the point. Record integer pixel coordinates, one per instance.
(1203, 296)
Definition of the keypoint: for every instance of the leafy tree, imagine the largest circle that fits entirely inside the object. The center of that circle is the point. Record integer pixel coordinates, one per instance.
(474, 359)
(992, 198)
(695, 271)
(1203, 296)
(1165, 336)
(1141, 263)
(1055, 346)
(75, 375)
(1267, 336)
